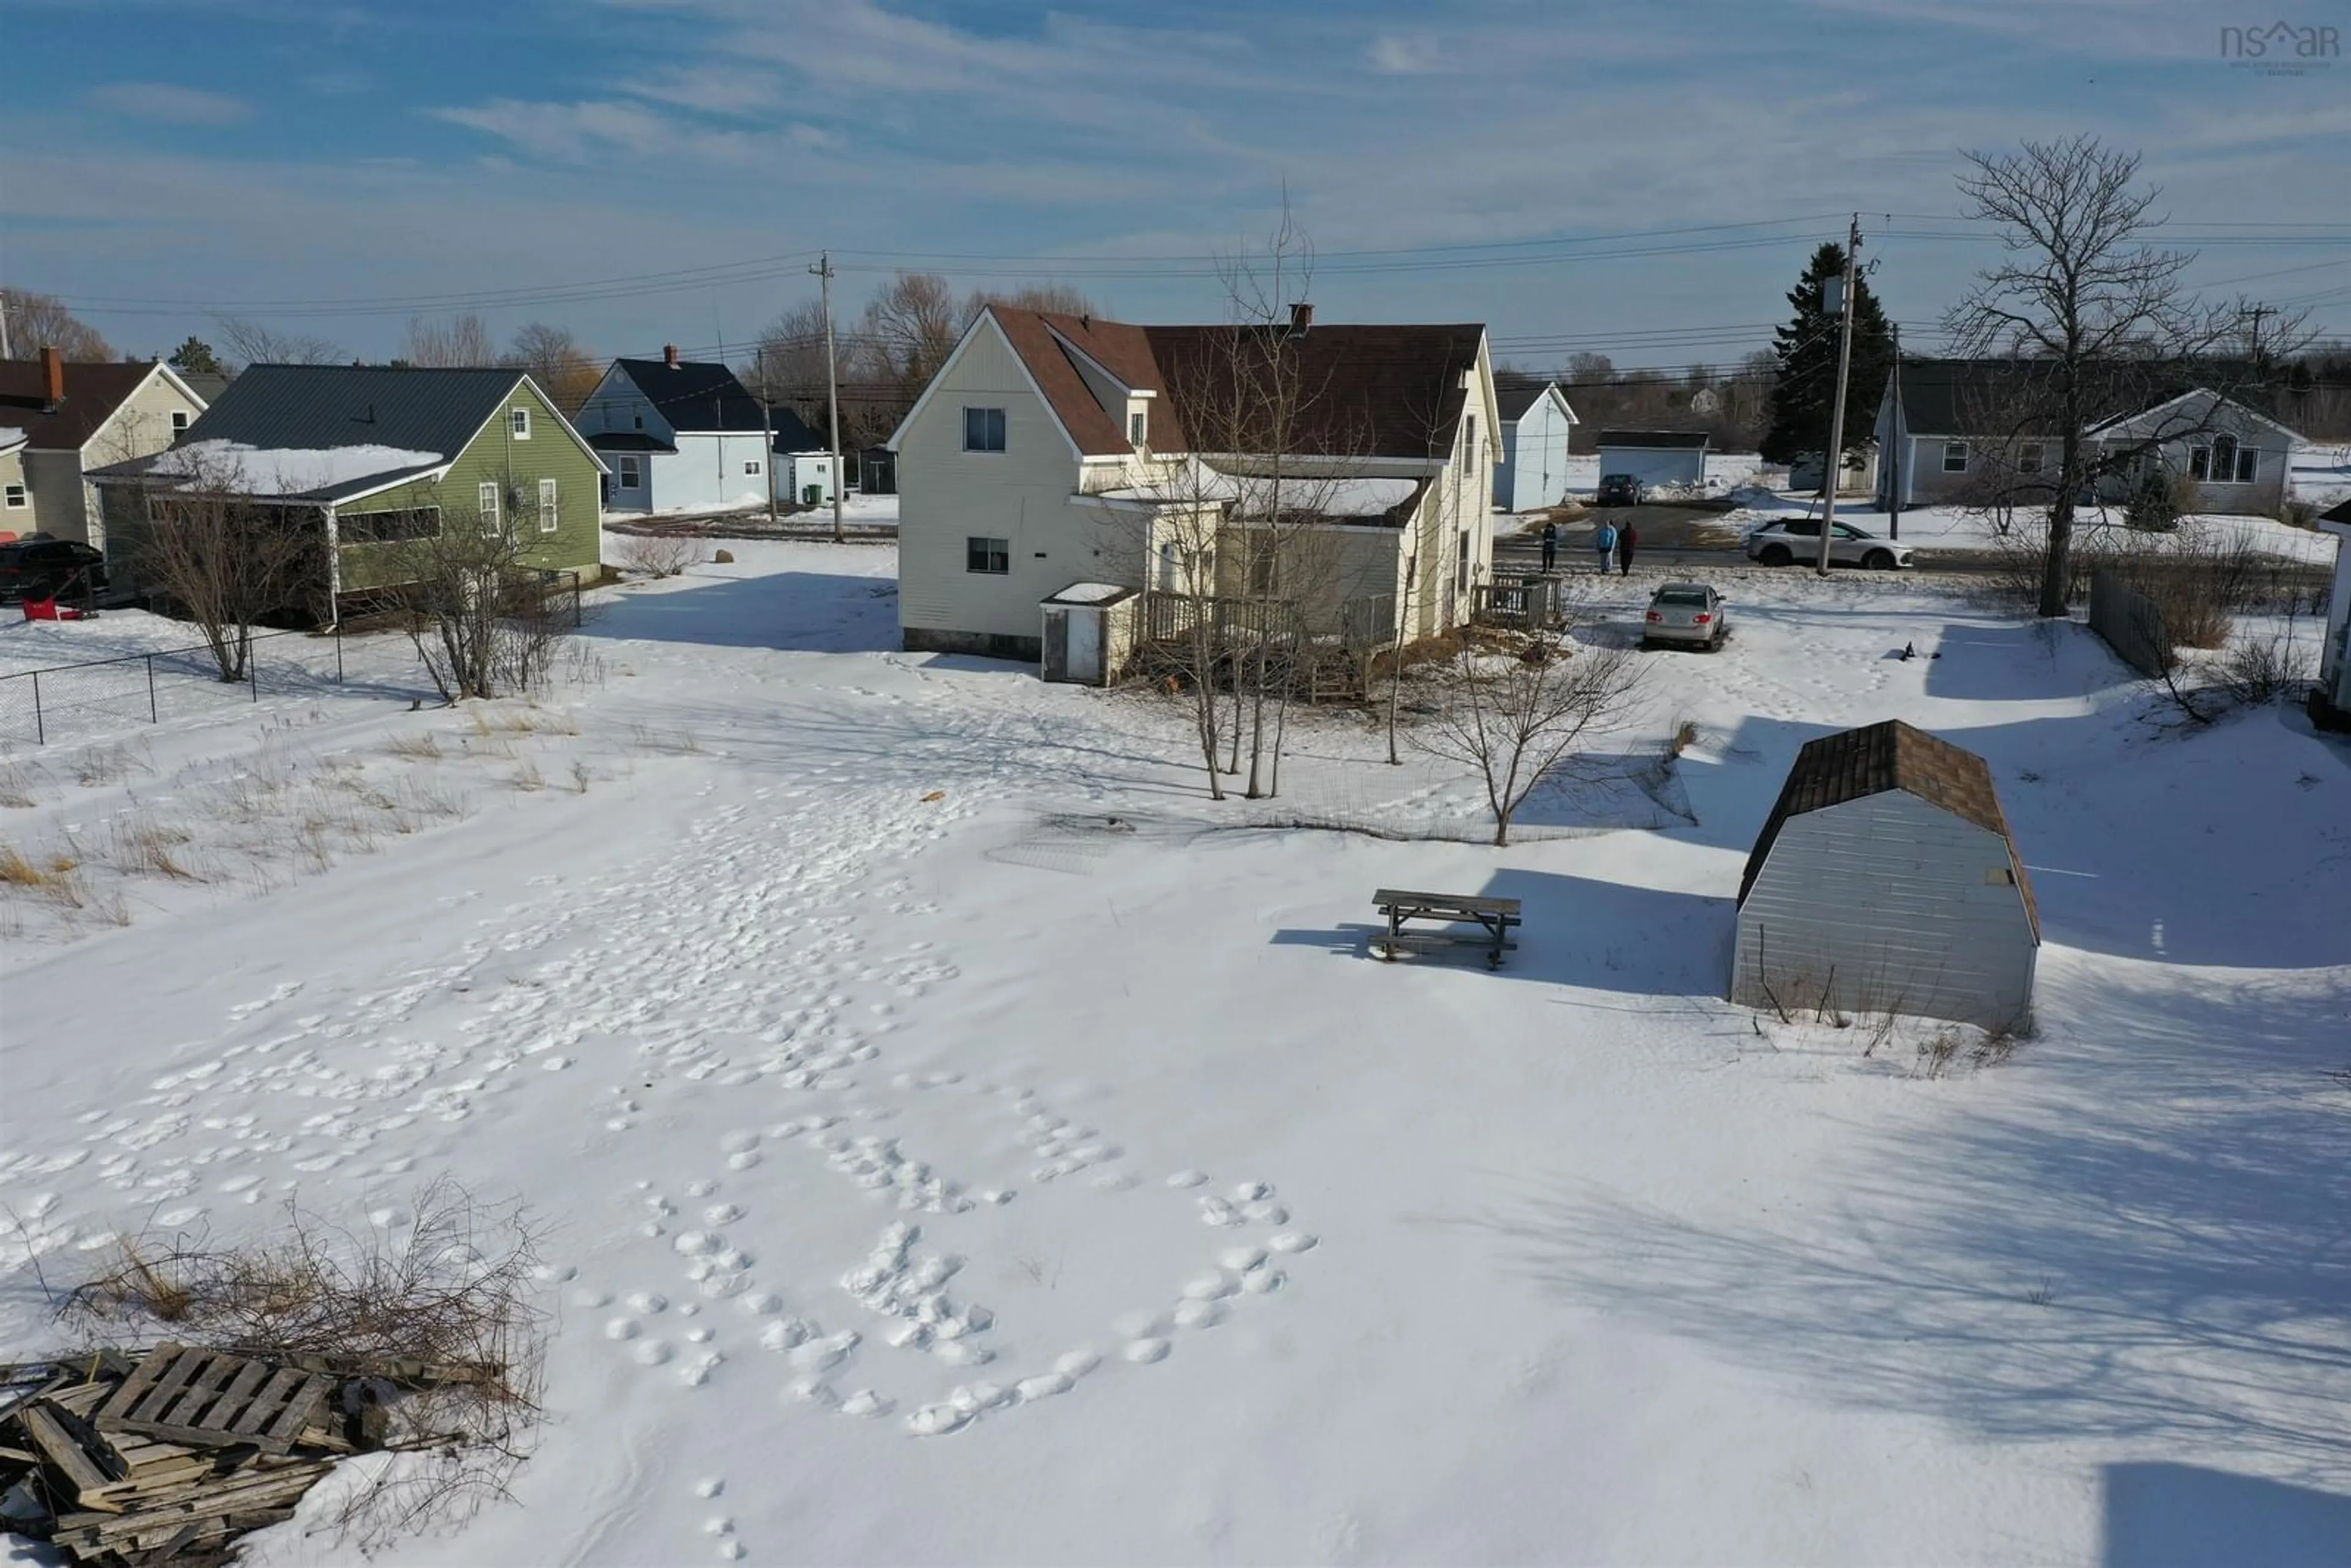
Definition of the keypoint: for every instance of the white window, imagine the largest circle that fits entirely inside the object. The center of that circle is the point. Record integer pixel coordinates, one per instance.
(983, 429)
(13, 497)
(519, 421)
(486, 500)
(1955, 457)
(2028, 458)
(631, 475)
(179, 420)
(1138, 426)
(2224, 462)
(989, 557)
(1469, 441)
(752, 467)
(550, 510)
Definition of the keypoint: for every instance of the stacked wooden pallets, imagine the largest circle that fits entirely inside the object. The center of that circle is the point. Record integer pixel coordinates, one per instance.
(125, 1458)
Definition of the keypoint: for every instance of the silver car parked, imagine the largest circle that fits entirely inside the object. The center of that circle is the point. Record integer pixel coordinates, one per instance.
(1689, 614)
(1797, 541)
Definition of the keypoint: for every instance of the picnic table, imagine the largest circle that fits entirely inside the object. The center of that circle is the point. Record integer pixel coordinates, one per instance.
(1494, 918)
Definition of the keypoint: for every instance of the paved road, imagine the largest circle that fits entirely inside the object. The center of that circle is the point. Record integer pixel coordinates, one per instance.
(1694, 537)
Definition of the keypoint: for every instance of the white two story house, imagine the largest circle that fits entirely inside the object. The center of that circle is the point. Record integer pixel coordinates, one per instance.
(1348, 469)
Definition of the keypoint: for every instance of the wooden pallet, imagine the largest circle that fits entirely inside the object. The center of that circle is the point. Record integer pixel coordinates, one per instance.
(208, 1399)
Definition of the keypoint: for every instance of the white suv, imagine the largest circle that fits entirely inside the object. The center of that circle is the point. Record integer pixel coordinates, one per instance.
(1798, 539)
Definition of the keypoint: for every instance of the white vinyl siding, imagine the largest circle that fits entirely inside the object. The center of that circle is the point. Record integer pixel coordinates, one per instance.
(1888, 903)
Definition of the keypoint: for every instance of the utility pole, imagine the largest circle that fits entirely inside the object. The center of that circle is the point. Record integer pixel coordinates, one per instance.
(767, 431)
(4, 354)
(1834, 459)
(1894, 447)
(824, 269)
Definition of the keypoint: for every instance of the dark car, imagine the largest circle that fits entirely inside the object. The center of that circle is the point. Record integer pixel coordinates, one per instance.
(50, 568)
(1617, 490)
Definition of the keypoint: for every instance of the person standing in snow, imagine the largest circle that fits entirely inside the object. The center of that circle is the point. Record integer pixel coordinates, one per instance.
(1604, 542)
(1551, 547)
(1627, 539)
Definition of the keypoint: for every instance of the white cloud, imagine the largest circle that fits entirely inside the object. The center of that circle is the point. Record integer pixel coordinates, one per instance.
(1397, 56)
(170, 104)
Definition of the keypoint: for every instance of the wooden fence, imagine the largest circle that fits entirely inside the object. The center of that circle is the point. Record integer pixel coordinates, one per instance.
(2131, 623)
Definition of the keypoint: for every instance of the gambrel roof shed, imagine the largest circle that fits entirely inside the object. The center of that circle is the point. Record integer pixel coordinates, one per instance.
(1887, 879)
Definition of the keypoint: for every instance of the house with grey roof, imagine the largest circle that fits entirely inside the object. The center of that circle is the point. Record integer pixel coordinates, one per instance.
(1536, 425)
(373, 456)
(1657, 458)
(1886, 880)
(1977, 432)
(683, 435)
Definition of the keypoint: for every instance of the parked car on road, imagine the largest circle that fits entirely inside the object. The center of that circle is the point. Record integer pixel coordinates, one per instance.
(1617, 490)
(1690, 614)
(47, 568)
(1795, 539)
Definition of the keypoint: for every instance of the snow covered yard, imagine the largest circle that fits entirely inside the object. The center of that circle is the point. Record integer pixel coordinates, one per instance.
(963, 1143)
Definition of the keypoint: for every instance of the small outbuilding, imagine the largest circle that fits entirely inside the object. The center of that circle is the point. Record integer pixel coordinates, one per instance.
(1089, 633)
(1886, 880)
(1655, 457)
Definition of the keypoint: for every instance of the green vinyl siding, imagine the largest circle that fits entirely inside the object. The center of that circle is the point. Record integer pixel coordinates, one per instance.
(493, 456)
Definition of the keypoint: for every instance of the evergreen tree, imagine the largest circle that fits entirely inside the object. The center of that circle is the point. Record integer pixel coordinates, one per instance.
(1806, 350)
(196, 355)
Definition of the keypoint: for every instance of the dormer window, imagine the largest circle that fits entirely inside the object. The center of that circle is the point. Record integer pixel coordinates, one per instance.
(1138, 425)
(179, 421)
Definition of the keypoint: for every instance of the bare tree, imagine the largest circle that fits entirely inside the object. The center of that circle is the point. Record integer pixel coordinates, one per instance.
(2089, 306)
(455, 341)
(555, 358)
(913, 322)
(38, 322)
(1054, 298)
(1518, 721)
(479, 615)
(251, 342)
(212, 549)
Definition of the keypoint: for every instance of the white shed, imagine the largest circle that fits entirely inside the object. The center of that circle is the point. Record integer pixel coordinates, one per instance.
(1536, 425)
(1089, 633)
(1655, 457)
(1886, 880)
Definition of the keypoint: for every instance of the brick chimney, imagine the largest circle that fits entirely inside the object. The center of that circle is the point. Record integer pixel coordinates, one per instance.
(1302, 317)
(669, 355)
(53, 376)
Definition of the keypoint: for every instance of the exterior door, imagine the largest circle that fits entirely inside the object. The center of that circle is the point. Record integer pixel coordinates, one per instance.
(1084, 646)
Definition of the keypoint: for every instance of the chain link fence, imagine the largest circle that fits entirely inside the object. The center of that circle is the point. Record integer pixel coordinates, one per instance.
(67, 702)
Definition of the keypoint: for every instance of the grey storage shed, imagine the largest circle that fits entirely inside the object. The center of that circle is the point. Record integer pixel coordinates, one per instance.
(1886, 880)
(1655, 457)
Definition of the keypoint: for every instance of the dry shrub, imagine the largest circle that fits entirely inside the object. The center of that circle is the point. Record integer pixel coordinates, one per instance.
(724, 558)
(141, 846)
(441, 1313)
(419, 747)
(661, 555)
(2259, 670)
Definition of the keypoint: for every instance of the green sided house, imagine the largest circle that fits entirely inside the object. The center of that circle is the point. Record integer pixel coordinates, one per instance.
(375, 457)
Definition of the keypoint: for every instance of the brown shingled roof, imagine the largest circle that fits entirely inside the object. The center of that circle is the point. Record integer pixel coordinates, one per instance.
(1384, 391)
(93, 392)
(1859, 763)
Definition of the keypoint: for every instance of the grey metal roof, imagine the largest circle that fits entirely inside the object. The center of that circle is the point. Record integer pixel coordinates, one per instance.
(1515, 394)
(319, 407)
(1677, 440)
(629, 441)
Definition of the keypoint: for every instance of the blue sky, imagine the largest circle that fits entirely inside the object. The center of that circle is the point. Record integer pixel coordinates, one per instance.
(333, 167)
